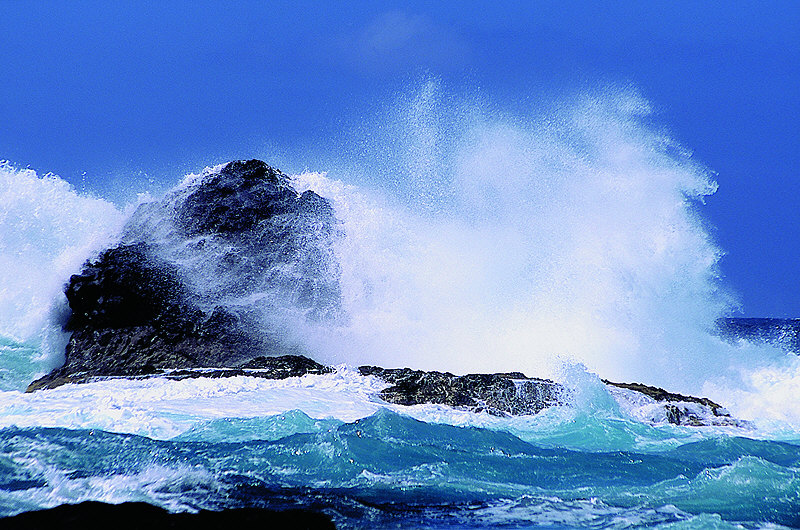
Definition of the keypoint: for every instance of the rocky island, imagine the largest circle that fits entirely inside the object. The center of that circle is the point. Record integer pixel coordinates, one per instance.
(135, 313)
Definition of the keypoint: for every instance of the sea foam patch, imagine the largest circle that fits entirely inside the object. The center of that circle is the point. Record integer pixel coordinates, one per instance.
(162, 409)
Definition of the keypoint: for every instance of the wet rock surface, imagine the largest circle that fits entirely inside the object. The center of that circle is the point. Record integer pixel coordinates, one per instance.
(512, 394)
(135, 312)
(131, 316)
(679, 409)
(659, 394)
(278, 367)
(233, 201)
(498, 394)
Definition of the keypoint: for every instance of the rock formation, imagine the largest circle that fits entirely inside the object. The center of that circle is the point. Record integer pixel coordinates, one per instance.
(134, 312)
(194, 286)
(498, 394)
(677, 408)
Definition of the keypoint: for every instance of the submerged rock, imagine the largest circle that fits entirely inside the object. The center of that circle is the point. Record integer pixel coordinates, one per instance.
(676, 408)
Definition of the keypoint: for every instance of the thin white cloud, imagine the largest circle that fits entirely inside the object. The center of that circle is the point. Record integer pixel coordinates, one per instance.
(399, 39)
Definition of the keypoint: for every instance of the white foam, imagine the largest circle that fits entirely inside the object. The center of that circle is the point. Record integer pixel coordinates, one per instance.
(47, 230)
(571, 236)
(161, 485)
(769, 395)
(526, 242)
(162, 409)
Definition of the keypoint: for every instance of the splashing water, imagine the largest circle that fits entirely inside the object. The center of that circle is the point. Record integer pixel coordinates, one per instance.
(520, 244)
(48, 230)
(491, 242)
(565, 243)
(483, 241)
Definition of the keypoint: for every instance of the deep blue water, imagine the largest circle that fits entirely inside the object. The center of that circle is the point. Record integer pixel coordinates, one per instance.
(781, 332)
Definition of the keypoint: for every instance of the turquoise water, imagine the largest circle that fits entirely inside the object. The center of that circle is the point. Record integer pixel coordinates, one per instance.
(367, 464)
(17, 369)
(389, 469)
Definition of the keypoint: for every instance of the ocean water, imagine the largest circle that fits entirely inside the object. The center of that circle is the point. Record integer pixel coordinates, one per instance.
(565, 243)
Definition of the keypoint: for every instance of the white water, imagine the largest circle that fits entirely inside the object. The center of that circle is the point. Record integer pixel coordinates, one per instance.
(164, 409)
(507, 243)
(47, 231)
(494, 243)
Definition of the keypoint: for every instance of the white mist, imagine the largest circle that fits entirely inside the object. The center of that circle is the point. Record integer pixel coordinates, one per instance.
(498, 243)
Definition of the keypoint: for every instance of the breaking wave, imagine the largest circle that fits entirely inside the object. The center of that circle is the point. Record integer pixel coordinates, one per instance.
(473, 240)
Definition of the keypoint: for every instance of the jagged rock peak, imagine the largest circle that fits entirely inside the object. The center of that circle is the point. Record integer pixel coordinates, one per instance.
(253, 169)
(239, 196)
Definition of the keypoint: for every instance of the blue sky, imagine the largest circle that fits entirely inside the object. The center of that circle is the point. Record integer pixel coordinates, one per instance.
(120, 97)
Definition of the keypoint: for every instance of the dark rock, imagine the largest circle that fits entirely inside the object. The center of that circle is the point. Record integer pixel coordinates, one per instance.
(236, 199)
(91, 515)
(139, 309)
(683, 410)
(284, 366)
(254, 233)
(131, 316)
(127, 286)
(513, 393)
(659, 394)
(498, 394)
(279, 367)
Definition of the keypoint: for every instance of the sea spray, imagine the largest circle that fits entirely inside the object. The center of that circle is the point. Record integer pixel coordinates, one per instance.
(47, 230)
(483, 241)
(487, 241)
(572, 235)
(327, 442)
(564, 241)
